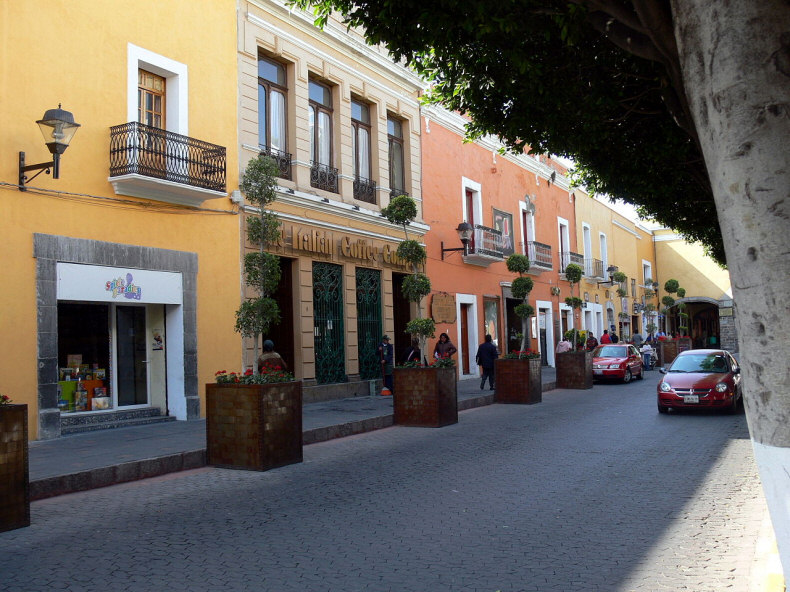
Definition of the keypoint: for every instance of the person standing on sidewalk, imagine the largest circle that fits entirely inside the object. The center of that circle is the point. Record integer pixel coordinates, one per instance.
(487, 353)
(386, 356)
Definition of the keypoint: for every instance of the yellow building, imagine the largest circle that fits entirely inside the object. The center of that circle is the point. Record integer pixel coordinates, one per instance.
(708, 297)
(343, 122)
(123, 271)
(611, 243)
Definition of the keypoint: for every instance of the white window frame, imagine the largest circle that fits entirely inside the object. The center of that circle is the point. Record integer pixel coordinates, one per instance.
(529, 231)
(467, 349)
(176, 86)
(647, 273)
(604, 244)
(588, 256)
(564, 236)
(477, 198)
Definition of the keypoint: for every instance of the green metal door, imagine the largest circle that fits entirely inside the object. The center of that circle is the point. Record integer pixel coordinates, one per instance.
(330, 358)
(368, 322)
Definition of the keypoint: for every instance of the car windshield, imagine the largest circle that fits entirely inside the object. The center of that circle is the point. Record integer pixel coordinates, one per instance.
(610, 351)
(700, 363)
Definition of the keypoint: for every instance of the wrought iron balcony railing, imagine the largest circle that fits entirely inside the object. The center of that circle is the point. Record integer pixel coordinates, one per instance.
(136, 148)
(568, 257)
(283, 160)
(486, 242)
(539, 255)
(593, 268)
(365, 190)
(323, 176)
(397, 192)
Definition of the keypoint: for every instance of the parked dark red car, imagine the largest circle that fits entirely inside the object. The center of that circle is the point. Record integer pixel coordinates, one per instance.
(701, 378)
(621, 362)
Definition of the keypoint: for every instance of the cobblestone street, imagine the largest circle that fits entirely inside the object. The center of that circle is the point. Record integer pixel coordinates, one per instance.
(589, 490)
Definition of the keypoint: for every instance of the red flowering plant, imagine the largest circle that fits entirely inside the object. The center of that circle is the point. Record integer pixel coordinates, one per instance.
(268, 375)
(440, 362)
(5, 400)
(521, 354)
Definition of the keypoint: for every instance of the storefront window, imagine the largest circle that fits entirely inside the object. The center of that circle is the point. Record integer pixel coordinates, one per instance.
(83, 357)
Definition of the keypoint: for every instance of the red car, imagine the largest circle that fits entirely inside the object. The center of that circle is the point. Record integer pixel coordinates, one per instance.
(621, 361)
(701, 378)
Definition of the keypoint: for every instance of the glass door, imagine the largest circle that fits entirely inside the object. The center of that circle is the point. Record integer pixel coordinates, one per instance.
(131, 354)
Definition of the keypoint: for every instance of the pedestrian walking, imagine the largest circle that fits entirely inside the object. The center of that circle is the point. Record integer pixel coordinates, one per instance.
(487, 353)
(592, 342)
(647, 356)
(605, 338)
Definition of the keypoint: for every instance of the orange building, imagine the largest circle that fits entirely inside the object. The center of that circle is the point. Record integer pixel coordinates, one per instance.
(516, 203)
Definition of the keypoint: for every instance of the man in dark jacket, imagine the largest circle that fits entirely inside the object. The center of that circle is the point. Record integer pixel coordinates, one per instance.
(486, 354)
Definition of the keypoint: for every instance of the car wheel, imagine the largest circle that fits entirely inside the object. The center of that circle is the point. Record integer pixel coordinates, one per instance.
(734, 406)
(641, 373)
(627, 376)
(663, 409)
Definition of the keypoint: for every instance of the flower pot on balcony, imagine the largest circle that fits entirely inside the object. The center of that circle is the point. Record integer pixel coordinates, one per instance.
(425, 397)
(254, 426)
(14, 475)
(574, 370)
(518, 381)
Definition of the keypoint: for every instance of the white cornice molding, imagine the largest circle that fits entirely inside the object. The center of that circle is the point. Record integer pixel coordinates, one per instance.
(457, 124)
(628, 230)
(336, 208)
(667, 238)
(343, 42)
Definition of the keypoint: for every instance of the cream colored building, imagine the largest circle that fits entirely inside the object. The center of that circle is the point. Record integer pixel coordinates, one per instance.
(343, 122)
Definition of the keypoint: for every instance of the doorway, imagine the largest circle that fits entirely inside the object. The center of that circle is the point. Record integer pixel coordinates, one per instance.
(130, 350)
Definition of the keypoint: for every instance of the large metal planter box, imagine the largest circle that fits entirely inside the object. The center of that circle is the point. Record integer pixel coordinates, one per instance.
(254, 426)
(14, 472)
(574, 370)
(518, 381)
(425, 397)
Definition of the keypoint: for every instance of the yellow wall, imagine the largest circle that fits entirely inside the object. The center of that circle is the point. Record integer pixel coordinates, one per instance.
(688, 264)
(75, 53)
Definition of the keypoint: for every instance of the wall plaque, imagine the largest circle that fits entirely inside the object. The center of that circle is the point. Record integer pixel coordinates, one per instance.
(443, 307)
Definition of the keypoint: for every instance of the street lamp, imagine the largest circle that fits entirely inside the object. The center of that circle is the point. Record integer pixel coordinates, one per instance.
(58, 128)
(465, 231)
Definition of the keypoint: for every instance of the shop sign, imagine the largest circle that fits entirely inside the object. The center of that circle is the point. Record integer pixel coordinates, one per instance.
(321, 242)
(95, 283)
(443, 308)
(725, 312)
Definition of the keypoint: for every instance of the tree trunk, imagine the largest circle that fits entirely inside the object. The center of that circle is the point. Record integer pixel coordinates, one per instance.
(735, 58)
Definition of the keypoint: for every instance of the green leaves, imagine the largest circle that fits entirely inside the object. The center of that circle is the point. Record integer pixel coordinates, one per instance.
(412, 251)
(256, 316)
(402, 210)
(517, 263)
(671, 286)
(524, 311)
(574, 302)
(423, 328)
(416, 286)
(573, 273)
(521, 287)
(259, 181)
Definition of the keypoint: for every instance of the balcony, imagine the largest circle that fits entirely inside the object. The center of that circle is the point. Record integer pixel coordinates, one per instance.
(365, 190)
(539, 256)
(568, 257)
(397, 192)
(283, 160)
(485, 247)
(593, 269)
(153, 163)
(323, 176)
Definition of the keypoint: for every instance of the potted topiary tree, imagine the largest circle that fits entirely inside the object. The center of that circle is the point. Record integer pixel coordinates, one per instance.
(424, 396)
(622, 292)
(15, 481)
(254, 419)
(574, 368)
(518, 373)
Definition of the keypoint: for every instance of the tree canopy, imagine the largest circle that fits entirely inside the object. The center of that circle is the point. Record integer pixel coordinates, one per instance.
(597, 81)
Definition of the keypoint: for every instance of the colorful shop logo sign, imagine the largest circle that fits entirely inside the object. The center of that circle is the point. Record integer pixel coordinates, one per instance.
(127, 289)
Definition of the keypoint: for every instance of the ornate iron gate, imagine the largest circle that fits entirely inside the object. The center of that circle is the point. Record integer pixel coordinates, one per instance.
(368, 322)
(330, 350)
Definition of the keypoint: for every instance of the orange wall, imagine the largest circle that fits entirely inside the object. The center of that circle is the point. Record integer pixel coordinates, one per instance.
(504, 183)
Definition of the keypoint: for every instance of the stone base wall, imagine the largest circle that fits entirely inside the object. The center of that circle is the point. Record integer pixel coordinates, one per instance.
(254, 426)
(14, 471)
(574, 370)
(425, 397)
(518, 381)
